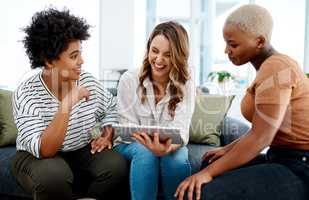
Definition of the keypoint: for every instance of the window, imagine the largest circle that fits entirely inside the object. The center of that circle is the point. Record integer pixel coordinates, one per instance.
(161, 10)
(204, 21)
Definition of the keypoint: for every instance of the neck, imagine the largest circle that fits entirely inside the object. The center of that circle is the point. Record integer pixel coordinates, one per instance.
(162, 81)
(262, 56)
(55, 84)
(160, 84)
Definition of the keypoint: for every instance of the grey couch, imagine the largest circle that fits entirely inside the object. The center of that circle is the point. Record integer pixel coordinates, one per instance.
(10, 190)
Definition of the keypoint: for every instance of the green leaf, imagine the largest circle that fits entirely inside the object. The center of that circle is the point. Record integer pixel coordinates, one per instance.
(221, 75)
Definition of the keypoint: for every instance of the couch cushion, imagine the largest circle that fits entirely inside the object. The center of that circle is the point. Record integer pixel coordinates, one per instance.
(233, 129)
(208, 115)
(8, 184)
(8, 128)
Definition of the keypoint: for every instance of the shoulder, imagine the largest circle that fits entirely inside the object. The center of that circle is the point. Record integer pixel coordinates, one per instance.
(129, 78)
(86, 77)
(279, 67)
(130, 75)
(90, 82)
(28, 86)
(277, 63)
(190, 85)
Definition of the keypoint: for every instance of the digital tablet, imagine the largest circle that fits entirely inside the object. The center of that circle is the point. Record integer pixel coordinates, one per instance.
(126, 131)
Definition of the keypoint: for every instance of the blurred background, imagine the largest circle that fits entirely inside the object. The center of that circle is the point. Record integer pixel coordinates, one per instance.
(120, 29)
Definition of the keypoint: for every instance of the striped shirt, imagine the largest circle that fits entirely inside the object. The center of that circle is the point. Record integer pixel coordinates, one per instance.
(34, 107)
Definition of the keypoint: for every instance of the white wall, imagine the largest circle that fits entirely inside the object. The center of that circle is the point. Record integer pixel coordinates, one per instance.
(16, 14)
(116, 34)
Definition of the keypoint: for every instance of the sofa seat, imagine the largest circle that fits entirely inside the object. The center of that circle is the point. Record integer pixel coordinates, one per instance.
(10, 189)
(8, 185)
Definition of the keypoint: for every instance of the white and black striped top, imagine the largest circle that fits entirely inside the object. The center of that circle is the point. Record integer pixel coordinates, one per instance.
(34, 108)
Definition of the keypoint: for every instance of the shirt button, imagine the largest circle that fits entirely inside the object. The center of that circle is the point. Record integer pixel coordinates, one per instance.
(304, 158)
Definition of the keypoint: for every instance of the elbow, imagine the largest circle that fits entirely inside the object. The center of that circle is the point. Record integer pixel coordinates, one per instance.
(46, 153)
(264, 140)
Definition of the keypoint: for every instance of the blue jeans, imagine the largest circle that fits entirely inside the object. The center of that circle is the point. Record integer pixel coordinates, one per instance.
(281, 174)
(146, 167)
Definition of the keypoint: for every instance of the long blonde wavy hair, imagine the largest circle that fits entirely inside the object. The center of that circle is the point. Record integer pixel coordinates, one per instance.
(179, 54)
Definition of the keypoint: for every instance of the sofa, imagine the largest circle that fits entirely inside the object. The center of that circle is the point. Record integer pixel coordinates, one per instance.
(231, 129)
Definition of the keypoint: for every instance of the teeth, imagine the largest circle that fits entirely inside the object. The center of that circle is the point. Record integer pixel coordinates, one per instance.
(159, 66)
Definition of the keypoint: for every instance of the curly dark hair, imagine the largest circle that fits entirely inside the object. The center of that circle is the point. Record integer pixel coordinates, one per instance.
(50, 33)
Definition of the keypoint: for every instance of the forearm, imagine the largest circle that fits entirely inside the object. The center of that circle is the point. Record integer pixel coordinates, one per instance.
(108, 132)
(244, 150)
(228, 147)
(53, 136)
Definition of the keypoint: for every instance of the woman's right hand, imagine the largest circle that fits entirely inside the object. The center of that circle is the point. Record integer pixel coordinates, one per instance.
(214, 154)
(75, 95)
(153, 144)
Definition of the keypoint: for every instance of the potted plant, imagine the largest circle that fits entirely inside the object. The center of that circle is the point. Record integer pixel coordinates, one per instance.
(221, 76)
(224, 79)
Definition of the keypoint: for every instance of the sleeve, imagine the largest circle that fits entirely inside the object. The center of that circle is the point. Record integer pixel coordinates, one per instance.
(107, 107)
(274, 84)
(127, 99)
(29, 124)
(184, 112)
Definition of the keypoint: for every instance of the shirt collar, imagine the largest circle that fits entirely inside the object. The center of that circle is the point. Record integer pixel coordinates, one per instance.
(148, 85)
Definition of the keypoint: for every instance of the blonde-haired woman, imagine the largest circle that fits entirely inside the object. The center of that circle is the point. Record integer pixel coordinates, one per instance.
(277, 105)
(161, 93)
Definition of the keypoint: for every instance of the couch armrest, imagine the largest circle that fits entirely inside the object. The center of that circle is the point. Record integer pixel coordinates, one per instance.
(232, 129)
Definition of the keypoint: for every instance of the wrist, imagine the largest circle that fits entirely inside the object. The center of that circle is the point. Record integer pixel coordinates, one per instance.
(65, 108)
(175, 147)
(107, 131)
(206, 172)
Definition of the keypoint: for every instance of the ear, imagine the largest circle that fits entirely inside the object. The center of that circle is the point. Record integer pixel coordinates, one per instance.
(260, 42)
(48, 64)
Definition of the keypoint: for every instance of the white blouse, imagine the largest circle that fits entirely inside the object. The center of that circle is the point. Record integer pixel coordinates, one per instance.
(132, 110)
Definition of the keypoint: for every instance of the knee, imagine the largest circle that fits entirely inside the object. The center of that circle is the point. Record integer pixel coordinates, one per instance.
(56, 183)
(112, 166)
(141, 152)
(176, 160)
(119, 166)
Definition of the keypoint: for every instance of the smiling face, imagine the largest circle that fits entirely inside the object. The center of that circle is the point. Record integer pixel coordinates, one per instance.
(241, 47)
(68, 65)
(159, 57)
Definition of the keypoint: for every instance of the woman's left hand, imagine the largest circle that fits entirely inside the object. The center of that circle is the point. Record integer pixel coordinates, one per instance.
(158, 148)
(193, 184)
(104, 141)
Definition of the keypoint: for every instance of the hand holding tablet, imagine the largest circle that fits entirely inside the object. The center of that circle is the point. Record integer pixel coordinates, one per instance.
(126, 131)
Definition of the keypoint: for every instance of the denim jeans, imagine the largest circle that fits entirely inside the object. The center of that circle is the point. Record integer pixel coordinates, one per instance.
(146, 168)
(281, 174)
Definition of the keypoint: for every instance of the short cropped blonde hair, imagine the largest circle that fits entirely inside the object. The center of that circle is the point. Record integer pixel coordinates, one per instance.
(253, 19)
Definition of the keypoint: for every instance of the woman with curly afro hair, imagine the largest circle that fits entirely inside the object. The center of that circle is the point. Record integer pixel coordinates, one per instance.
(55, 111)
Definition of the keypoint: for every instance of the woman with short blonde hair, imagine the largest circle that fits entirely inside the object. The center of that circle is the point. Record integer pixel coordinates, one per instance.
(277, 105)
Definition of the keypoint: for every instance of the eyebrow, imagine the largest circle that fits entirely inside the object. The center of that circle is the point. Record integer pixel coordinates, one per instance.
(167, 52)
(73, 52)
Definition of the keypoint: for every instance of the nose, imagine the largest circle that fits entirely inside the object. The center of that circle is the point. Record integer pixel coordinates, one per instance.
(81, 60)
(227, 50)
(159, 58)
